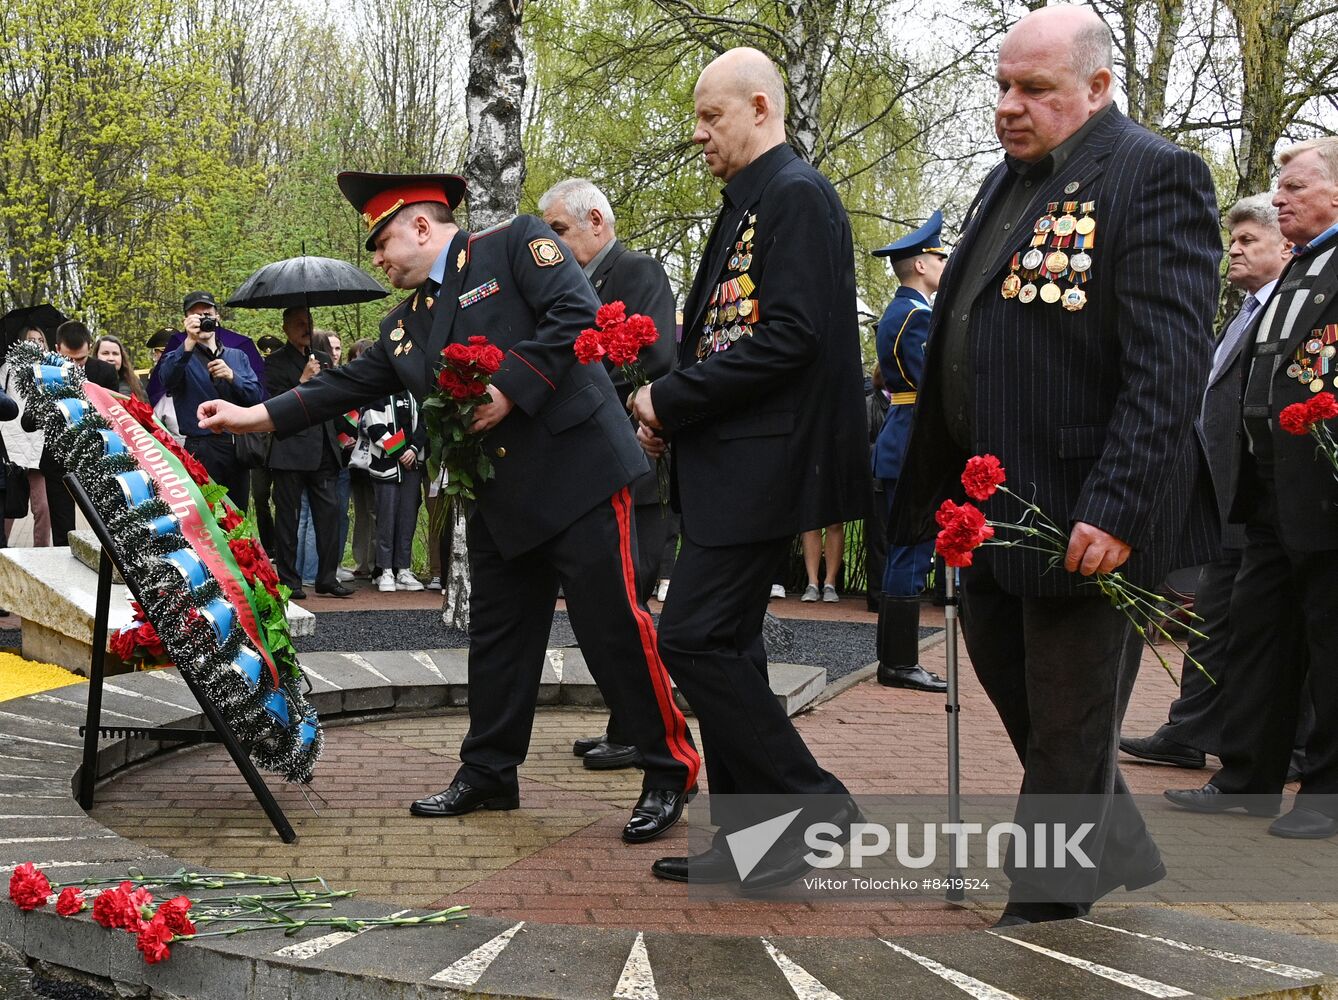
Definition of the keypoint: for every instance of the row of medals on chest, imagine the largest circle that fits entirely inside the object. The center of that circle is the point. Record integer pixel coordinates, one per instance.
(1063, 233)
(1314, 358)
(732, 310)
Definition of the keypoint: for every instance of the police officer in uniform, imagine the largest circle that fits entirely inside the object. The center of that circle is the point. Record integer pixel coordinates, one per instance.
(557, 513)
(917, 260)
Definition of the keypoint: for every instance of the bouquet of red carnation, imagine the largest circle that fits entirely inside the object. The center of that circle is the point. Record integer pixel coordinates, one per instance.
(619, 339)
(1308, 418)
(138, 643)
(965, 528)
(462, 386)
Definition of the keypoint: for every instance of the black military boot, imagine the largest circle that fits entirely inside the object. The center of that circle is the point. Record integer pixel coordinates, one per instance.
(899, 646)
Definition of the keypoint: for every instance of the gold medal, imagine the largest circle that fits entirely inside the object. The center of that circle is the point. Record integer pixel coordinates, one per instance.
(748, 234)
(1011, 286)
(1317, 385)
(1307, 375)
(1028, 293)
(731, 313)
(1057, 263)
(397, 334)
(1050, 293)
(1044, 224)
(745, 262)
(1085, 226)
(1075, 299)
(1314, 346)
(746, 308)
(733, 262)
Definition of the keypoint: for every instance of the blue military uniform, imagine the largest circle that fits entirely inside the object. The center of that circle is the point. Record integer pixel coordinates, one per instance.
(902, 333)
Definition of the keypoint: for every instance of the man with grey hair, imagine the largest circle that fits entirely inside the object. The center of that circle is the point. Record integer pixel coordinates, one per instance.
(580, 214)
(1287, 495)
(1071, 337)
(1256, 253)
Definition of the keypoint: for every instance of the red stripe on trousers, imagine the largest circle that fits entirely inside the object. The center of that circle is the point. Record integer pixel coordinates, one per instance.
(675, 726)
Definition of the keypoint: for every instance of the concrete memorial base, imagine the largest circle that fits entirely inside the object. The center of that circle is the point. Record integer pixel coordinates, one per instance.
(53, 592)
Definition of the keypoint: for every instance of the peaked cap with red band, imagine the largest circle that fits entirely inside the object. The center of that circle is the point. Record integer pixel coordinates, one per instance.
(379, 196)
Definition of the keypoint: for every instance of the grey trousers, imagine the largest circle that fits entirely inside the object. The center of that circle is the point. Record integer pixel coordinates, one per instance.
(396, 519)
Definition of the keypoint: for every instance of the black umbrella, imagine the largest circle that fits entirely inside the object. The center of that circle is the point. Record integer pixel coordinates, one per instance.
(45, 316)
(306, 281)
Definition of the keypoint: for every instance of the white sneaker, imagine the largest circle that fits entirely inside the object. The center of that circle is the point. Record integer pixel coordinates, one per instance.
(405, 580)
(810, 593)
(386, 582)
(434, 583)
(829, 594)
(343, 575)
(777, 591)
(662, 591)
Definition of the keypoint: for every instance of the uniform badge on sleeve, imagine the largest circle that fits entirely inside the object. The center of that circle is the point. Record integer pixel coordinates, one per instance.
(545, 252)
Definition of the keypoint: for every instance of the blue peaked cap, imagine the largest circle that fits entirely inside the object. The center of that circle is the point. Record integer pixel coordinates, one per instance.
(926, 239)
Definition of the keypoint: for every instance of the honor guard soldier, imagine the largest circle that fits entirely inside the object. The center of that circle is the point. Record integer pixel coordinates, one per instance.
(557, 513)
(917, 260)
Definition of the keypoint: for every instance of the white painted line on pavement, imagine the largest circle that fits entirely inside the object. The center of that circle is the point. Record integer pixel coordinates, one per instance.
(805, 986)
(311, 673)
(426, 661)
(362, 661)
(1130, 979)
(967, 984)
(465, 972)
(304, 950)
(52, 699)
(637, 981)
(1262, 964)
(6, 841)
(555, 658)
(117, 689)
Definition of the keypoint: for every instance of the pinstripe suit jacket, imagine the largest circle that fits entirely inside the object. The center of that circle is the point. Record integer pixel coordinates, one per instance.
(1092, 412)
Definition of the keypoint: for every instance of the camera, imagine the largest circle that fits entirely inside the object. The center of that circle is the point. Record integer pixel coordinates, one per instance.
(208, 324)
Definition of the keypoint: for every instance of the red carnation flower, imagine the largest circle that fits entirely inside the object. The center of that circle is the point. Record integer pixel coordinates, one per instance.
(588, 347)
(28, 887)
(642, 329)
(964, 530)
(610, 314)
(153, 939)
(1323, 406)
(141, 411)
(174, 913)
(232, 518)
(70, 901)
(1294, 419)
(982, 477)
(621, 345)
(113, 909)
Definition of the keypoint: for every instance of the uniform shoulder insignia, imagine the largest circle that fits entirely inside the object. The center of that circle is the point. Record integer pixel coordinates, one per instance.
(545, 252)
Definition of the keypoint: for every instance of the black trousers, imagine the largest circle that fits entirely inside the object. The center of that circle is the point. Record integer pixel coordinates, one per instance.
(215, 452)
(1060, 672)
(323, 495)
(711, 641)
(262, 482)
(653, 522)
(59, 502)
(1275, 584)
(510, 616)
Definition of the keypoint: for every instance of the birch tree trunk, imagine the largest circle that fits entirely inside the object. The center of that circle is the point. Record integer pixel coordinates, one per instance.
(495, 167)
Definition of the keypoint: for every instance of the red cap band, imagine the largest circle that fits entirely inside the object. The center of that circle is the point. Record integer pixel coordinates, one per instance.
(383, 203)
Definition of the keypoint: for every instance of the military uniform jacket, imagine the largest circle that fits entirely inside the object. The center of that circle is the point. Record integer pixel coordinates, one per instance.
(901, 337)
(639, 281)
(766, 407)
(566, 446)
(1092, 410)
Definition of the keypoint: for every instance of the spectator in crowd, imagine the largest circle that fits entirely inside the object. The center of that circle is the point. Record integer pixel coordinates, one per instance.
(308, 460)
(1286, 493)
(110, 349)
(202, 304)
(363, 494)
(164, 410)
(1257, 254)
(200, 368)
(399, 440)
(75, 344)
(347, 435)
(25, 448)
(817, 551)
(581, 215)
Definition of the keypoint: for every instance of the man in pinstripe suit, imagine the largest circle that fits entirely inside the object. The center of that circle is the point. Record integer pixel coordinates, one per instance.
(1082, 370)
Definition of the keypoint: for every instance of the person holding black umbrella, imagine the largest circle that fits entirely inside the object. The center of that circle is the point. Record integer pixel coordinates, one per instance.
(200, 368)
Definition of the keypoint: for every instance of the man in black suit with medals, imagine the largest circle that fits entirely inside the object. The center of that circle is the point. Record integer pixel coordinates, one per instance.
(557, 513)
(1072, 339)
(583, 219)
(1287, 495)
(766, 415)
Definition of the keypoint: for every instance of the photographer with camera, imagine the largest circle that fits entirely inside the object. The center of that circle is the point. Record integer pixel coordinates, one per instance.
(199, 369)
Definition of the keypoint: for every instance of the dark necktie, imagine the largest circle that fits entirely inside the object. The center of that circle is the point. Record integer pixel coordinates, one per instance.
(1231, 337)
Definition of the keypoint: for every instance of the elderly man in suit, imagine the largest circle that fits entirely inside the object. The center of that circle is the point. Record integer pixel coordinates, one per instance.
(556, 513)
(765, 412)
(580, 214)
(1288, 497)
(1071, 338)
(1257, 253)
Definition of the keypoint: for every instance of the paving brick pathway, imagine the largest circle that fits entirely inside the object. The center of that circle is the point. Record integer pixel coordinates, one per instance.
(559, 859)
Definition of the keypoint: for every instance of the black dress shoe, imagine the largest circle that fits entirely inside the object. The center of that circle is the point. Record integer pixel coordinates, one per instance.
(785, 862)
(1009, 920)
(297, 595)
(1018, 914)
(585, 744)
(611, 756)
(711, 867)
(462, 797)
(334, 590)
(1162, 751)
(915, 677)
(655, 812)
(1211, 799)
(1304, 824)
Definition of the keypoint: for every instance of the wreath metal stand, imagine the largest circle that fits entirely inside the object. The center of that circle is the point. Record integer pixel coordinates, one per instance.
(220, 731)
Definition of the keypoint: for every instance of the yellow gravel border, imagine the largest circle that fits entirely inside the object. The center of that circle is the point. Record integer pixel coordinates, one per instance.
(19, 677)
